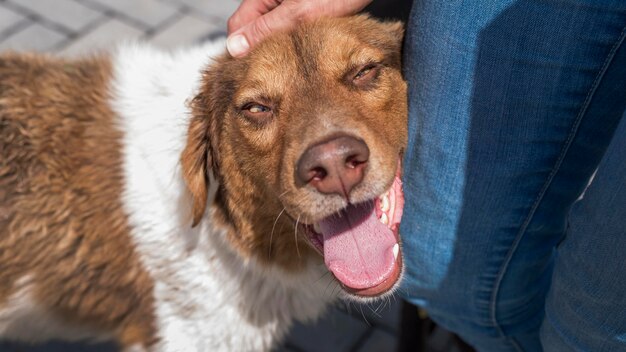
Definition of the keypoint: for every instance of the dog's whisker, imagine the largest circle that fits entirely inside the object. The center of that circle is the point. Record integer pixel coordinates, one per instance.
(269, 254)
(383, 305)
(321, 277)
(377, 310)
(370, 305)
(327, 286)
(295, 234)
(363, 314)
(333, 292)
(300, 202)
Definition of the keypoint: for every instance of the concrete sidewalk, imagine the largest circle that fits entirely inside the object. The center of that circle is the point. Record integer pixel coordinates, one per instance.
(74, 27)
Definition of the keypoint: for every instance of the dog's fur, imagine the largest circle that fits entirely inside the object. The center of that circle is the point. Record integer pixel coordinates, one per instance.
(107, 162)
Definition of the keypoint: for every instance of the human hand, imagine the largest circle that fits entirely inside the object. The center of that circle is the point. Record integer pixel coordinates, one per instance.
(256, 19)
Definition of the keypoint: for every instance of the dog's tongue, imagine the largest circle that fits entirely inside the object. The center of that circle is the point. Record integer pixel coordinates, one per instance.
(358, 248)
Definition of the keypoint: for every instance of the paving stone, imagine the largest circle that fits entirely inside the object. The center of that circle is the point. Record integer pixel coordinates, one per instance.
(185, 31)
(66, 13)
(336, 331)
(8, 19)
(217, 9)
(33, 38)
(106, 36)
(379, 341)
(148, 12)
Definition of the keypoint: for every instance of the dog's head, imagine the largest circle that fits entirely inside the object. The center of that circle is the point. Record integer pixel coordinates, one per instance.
(305, 137)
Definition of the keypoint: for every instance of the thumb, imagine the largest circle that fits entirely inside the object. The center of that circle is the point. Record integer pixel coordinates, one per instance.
(243, 40)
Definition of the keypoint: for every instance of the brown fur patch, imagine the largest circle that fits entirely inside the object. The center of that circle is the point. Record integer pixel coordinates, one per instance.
(301, 75)
(61, 218)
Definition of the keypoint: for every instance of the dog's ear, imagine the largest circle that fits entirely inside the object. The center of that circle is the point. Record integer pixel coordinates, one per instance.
(395, 31)
(387, 35)
(200, 155)
(394, 34)
(195, 161)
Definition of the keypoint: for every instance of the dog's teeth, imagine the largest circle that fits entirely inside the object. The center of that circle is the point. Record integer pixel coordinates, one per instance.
(316, 228)
(384, 204)
(384, 219)
(396, 250)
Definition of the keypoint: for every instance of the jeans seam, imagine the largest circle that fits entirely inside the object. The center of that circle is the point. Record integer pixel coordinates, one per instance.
(542, 192)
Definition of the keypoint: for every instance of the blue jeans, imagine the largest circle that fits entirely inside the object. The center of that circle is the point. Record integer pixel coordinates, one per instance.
(513, 106)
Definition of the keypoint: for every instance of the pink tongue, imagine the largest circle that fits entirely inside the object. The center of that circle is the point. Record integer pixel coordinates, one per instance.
(358, 248)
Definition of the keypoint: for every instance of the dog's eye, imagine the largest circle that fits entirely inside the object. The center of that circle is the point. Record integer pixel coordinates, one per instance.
(366, 75)
(257, 113)
(364, 72)
(257, 108)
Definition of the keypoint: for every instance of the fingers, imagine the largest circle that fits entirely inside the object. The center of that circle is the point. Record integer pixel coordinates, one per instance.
(256, 19)
(281, 17)
(248, 11)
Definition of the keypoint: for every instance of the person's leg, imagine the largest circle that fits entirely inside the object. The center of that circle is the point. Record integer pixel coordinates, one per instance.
(511, 107)
(586, 305)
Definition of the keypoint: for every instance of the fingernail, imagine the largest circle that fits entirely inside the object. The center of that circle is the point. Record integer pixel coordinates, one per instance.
(237, 45)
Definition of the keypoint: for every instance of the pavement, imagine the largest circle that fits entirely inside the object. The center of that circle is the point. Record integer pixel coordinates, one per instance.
(75, 27)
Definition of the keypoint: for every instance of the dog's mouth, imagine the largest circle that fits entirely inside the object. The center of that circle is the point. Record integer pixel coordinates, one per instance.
(360, 243)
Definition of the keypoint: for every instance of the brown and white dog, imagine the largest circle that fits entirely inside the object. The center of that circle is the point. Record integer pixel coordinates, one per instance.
(190, 201)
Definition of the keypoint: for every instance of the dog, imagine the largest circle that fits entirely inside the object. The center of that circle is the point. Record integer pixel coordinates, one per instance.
(191, 201)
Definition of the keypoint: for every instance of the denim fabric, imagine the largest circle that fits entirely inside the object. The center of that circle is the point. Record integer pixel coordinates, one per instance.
(512, 106)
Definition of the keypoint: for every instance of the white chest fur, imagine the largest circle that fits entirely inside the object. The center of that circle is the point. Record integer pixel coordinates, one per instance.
(207, 298)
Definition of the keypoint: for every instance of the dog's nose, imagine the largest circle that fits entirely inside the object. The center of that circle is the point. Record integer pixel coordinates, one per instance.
(334, 166)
